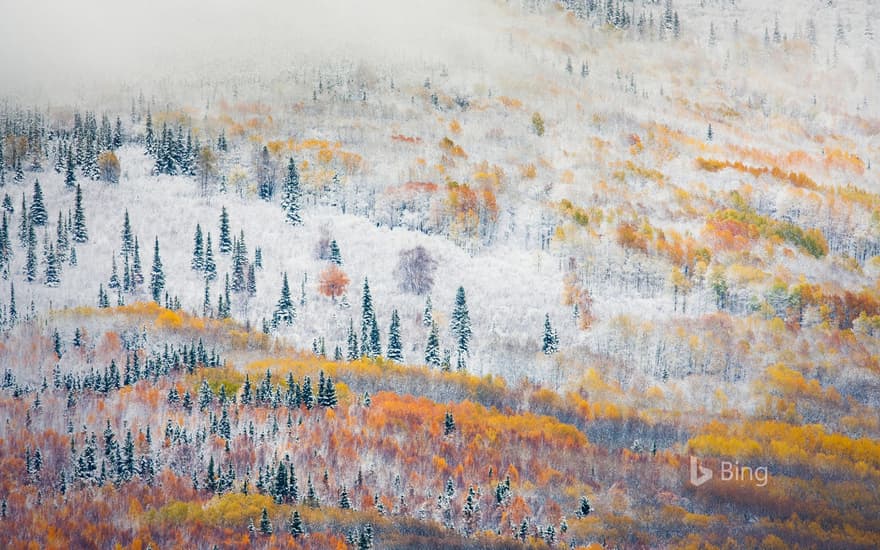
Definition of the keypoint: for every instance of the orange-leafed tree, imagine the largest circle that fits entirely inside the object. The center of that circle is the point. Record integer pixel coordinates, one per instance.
(333, 282)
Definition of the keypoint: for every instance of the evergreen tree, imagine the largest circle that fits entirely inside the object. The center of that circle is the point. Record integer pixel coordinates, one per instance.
(584, 507)
(117, 134)
(295, 526)
(157, 276)
(38, 214)
(114, 277)
(353, 349)
(31, 257)
(448, 424)
(127, 237)
(251, 281)
(550, 343)
(265, 524)
(292, 195)
(24, 224)
(709, 133)
(225, 238)
(53, 269)
(284, 310)
(395, 347)
(69, 174)
(137, 274)
(149, 138)
(198, 259)
(428, 315)
(432, 348)
(80, 233)
(461, 327)
(344, 501)
(210, 265)
(335, 255)
(369, 326)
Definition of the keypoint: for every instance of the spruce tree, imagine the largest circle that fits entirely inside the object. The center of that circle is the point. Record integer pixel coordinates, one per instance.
(198, 259)
(369, 326)
(210, 265)
(114, 277)
(53, 269)
(127, 237)
(295, 526)
(251, 281)
(353, 349)
(428, 315)
(292, 195)
(157, 276)
(225, 238)
(137, 273)
(461, 328)
(284, 310)
(38, 213)
(448, 424)
(550, 343)
(80, 233)
(69, 174)
(335, 255)
(432, 348)
(395, 347)
(31, 257)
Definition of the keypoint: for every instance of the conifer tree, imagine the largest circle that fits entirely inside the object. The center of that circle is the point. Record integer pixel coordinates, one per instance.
(284, 310)
(114, 277)
(295, 527)
(370, 346)
(38, 214)
(395, 347)
(448, 424)
(157, 275)
(461, 328)
(198, 259)
(428, 315)
(210, 265)
(550, 342)
(137, 273)
(80, 232)
(251, 281)
(53, 269)
(335, 255)
(127, 237)
(292, 195)
(225, 246)
(353, 349)
(31, 257)
(432, 348)
(69, 174)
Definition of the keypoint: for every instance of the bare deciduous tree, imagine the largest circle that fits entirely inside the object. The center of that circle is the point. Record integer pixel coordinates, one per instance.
(415, 270)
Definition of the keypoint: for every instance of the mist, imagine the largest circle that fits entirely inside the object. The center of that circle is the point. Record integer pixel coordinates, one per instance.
(59, 50)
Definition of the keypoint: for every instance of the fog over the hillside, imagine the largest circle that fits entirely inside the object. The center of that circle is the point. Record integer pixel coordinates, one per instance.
(60, 50)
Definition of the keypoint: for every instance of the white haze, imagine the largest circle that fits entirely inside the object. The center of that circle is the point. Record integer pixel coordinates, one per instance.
(59, 50)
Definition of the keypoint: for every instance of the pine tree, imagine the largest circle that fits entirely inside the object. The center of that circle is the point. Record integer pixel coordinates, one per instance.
(550, 343)
(295, 527)
(344, 501)
(353, 349)
(395, 347)
(210, 265)
(69, 174)
(31, 257)
(432, 348)
(292, 195)
(284, 310)
(80, 233)
(461, 328)
(428, 315)
(369, 326)
(53, 269)
(117, 134)
(709, 133)
(157, 276)
(251, 281)
(584, 508)
(23, 224)
(198, 259)
(335, 255)
(38, 213)
(114, 277)
(448, 424)
(137, 273)
(127, 237)
(225, 238)
(62, 244)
